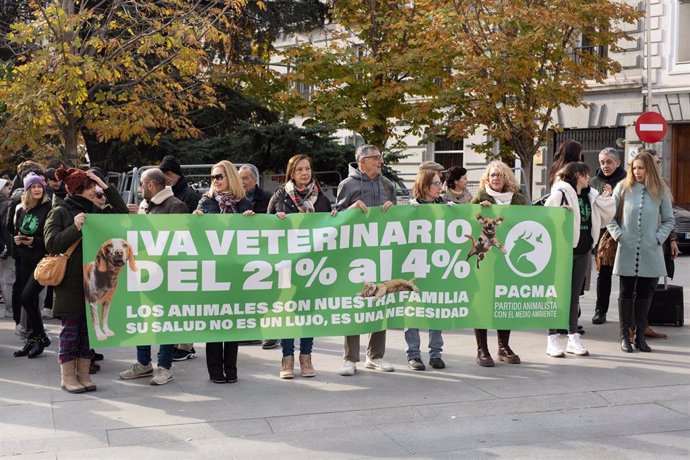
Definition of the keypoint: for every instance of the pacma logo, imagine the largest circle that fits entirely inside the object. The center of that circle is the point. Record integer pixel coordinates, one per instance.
(528, 246)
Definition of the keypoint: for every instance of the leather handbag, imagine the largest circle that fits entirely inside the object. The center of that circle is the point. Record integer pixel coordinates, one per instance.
(607, 247)
(50, 270)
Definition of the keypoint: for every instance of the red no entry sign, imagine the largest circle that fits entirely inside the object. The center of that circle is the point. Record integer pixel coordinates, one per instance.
(650, 127)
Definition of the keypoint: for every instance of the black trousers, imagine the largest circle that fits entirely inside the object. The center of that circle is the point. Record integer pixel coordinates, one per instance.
(30, 290)
(221, 359)
(604, 288)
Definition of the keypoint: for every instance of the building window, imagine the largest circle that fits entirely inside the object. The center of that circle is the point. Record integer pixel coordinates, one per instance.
(683, 51)
(448, 152)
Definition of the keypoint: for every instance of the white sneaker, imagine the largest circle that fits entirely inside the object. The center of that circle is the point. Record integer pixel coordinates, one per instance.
(137, 371)
(161, 376)
(348, 368)
(553, 348)
(379, 364)
(575, 345)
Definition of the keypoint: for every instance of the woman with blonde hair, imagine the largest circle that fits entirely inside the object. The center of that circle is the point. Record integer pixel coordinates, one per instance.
(640, 228)
(497, 186)
(300, 194)
(29, 220)
(225, 196)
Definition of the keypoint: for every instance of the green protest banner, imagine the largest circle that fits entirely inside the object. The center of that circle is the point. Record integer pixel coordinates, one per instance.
(189, 278)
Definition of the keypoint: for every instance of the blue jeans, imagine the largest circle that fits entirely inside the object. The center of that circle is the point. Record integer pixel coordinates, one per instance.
(165, 355)
(305, 345)
(412, 340)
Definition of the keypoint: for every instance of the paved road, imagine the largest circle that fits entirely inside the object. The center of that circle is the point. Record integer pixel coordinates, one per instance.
(610, 404)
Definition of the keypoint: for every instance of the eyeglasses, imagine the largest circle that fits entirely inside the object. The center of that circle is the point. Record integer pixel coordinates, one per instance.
(496, 175)
(218, 177)
(99, 195)
(437, 183)
(374, 157)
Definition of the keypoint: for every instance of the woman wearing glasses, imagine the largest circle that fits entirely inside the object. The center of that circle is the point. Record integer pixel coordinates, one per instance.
(427, 190)
(226, 196)
(497, 186)
(301, 193)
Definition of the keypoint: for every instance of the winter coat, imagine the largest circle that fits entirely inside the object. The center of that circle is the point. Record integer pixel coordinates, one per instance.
(163, 202)
(418, 201)
(518, 198)
(358, 186)
(5, 237)
(209, 205)
(599, 179)
(60, 233)
(31, 223)
(281, 202)
(646, 224)
(184, 192)
(260, 200)
(603, 208)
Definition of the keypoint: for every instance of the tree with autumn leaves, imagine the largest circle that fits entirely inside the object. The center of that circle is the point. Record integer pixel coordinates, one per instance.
(121, 69)
(387, 68)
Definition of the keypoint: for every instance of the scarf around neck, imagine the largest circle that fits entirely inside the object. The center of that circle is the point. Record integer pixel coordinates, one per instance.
(304, 198)
(226, 201)
(502, 198)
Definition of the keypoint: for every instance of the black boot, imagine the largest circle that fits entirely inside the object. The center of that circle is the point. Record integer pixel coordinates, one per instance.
(505, 354)
(27, 348)
(484, 358)
(625, 308)
(40, 342)
(641, 309)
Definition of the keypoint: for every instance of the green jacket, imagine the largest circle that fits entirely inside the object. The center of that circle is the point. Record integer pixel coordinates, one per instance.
(518, 198)
(60, 233)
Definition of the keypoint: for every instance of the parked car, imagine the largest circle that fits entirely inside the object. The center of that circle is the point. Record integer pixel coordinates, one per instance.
(682, 228)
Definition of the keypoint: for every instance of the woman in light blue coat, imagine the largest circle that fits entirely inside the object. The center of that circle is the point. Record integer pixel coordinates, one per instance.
(642, 226)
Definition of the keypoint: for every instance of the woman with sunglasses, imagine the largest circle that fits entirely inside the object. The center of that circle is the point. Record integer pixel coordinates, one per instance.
(427, 190)
(301, 193)
(226, 196)
(497, 186)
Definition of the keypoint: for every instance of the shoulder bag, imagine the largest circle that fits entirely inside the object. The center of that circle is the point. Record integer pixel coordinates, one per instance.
(51, 269)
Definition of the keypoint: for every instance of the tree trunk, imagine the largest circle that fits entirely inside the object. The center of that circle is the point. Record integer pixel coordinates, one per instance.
(70, 136)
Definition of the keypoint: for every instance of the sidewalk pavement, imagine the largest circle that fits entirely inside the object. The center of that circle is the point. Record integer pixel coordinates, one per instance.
(607, 405)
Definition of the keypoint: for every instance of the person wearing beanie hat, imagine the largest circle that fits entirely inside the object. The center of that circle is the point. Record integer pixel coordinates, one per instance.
(29, 221)
(175, 179)
(31, 179)
(63, 229)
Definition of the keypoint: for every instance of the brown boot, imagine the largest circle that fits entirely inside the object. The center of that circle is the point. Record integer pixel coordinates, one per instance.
(505, 354)
(69, 382)
(306, 366)
(83, 371)
(287, 367)
(652, 334)
(484, 358)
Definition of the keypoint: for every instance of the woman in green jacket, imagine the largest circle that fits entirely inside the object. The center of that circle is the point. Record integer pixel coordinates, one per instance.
(62, 229)
(497, 186)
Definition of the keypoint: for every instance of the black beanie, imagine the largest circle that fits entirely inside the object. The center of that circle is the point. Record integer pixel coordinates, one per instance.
(170, 163)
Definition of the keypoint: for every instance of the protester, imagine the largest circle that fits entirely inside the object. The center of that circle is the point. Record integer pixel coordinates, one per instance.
(29, 221)
(497, 186)
(366, 187)
(644, 223)
(455, 188)
(226, 196)
(591, 212)
(63, 228)
(300, 194)
(568, 151)
(259, 204)
(158, 199)
(180, 186)
(427, 190)
(182, 191)
(7, 274)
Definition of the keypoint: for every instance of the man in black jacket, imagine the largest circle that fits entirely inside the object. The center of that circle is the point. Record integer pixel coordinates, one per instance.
(180, 187)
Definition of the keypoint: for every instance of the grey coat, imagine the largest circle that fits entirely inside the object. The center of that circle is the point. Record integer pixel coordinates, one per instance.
(358, 186)
(646, 224)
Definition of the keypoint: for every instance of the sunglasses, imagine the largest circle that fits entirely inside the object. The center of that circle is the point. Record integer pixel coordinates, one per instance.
(99, 195)
(218, 177)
